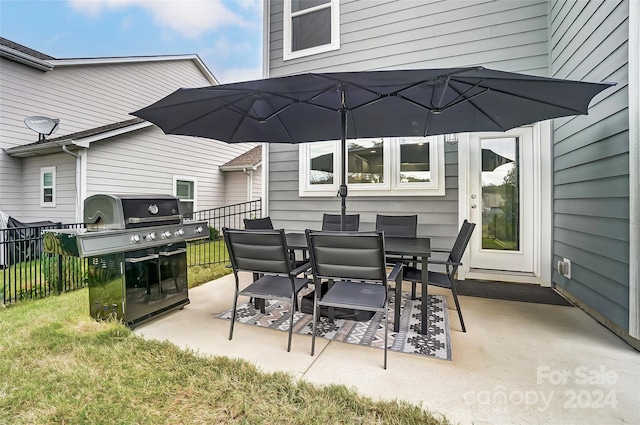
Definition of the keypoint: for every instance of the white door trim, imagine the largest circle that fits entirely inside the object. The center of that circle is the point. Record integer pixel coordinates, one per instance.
(542, 161)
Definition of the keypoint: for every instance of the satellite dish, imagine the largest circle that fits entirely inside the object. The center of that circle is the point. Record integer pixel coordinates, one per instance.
(44, 126)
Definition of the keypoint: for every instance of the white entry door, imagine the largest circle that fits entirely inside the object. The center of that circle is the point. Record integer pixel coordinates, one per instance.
(501, 201)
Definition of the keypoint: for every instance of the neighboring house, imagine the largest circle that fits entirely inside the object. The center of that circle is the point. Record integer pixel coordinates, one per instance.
(577, 189)
(99, 147)
(244, 177)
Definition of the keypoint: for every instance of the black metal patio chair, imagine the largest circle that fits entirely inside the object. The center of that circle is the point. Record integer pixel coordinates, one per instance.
(265, 254)
(332, 222)
(405, 226)
(354, 265)
(447, 279)
(258, 223)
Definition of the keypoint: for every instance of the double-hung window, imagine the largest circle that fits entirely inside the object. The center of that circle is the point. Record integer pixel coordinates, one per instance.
(310, 27)
(184, 188)
(396, 166)
(48, 187)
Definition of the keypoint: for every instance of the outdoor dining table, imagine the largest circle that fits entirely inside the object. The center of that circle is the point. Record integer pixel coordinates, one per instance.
(419, 247)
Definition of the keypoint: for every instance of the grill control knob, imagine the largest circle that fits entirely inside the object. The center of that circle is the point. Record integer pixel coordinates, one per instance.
(198, 229)
(135, 238)
(165, 235)
(179, 232)
(151, 236)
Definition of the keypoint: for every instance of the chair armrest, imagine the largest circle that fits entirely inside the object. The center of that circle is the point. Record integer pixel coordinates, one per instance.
(443, 262)
(396, 270)
(300, 269)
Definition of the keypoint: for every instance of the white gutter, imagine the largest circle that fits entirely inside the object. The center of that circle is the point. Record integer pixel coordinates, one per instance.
(26, 59)
(634, 165)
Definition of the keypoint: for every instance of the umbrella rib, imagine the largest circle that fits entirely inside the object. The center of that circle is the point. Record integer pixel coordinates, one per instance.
(520, 95)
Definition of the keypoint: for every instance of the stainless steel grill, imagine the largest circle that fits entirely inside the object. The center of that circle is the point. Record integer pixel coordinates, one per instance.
(136, 246)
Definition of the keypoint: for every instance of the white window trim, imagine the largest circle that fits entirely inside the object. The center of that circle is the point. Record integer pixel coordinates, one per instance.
(195, 188)
(287, 53)
(392, 185)
(51, 170)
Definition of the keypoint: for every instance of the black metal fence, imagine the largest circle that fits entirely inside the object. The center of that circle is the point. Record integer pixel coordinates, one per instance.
(26, 272)
(213, 250)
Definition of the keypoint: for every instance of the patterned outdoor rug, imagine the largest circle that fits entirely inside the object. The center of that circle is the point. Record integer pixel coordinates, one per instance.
(437, 342)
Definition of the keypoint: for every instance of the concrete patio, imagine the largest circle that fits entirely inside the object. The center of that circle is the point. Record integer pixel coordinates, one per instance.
(518, 363)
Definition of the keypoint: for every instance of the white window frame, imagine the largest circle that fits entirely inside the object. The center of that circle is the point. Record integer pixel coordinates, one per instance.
(193, 180)
(287, 53)
(43, 171)
(391, 186)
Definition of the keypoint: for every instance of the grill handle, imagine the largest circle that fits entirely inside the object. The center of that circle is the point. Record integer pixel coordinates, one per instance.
(170, 253)
(139, 259)
(137, 220)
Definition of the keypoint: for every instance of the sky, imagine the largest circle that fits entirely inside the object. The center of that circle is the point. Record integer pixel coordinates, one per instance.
(225, 34)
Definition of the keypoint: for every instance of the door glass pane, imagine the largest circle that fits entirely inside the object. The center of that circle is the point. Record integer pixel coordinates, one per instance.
(414, 161)
(321, 162)
(366, 163)
(500, 194)
(311, 30)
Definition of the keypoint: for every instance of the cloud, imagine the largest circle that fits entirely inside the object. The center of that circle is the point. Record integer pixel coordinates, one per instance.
(190, 18)
(233, 75)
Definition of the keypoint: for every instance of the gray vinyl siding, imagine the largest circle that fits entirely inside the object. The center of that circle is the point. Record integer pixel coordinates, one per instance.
(65, 209)
(406, 34)
(236, 187)
(146, 161)
(507, 35)
(589, 41)
(87, 96)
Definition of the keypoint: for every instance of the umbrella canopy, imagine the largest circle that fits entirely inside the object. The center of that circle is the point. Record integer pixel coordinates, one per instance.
(347, 105)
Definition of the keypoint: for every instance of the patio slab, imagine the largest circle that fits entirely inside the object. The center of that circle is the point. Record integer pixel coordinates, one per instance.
(517, 363)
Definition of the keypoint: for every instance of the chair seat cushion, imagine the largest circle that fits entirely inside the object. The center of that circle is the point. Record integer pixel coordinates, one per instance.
(274, 287)
(355, 295)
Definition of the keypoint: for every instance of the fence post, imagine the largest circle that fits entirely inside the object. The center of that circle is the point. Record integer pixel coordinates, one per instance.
(59, 282)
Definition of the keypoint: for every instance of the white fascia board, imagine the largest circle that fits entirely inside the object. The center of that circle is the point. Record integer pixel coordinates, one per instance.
(25, 59)
(137, 59)
(86, 141)
(240, 167)
(52, 146)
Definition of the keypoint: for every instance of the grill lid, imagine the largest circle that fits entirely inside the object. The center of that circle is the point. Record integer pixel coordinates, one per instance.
(117, 212)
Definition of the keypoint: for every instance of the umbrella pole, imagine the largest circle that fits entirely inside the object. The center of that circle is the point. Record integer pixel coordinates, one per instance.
(343, 174)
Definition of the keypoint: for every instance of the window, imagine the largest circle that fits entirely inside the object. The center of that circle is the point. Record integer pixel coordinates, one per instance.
(184, 188)
(48, 187)
(399, 166)
(310, 27)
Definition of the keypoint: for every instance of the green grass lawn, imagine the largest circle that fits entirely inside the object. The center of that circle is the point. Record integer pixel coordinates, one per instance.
(59, 366)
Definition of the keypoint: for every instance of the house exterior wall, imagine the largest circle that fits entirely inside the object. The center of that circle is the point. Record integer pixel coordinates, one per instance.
(173, 156)
(589, 40)
(505, 35)
(65, 209)
(86, 96)
(237, 186)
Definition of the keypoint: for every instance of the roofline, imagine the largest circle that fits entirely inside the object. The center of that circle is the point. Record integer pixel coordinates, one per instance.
(25, 58)
(82, 142)
(240, 167)
(136, 59)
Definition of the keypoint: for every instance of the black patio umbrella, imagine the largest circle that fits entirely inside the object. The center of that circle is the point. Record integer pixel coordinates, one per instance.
(348, 105)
